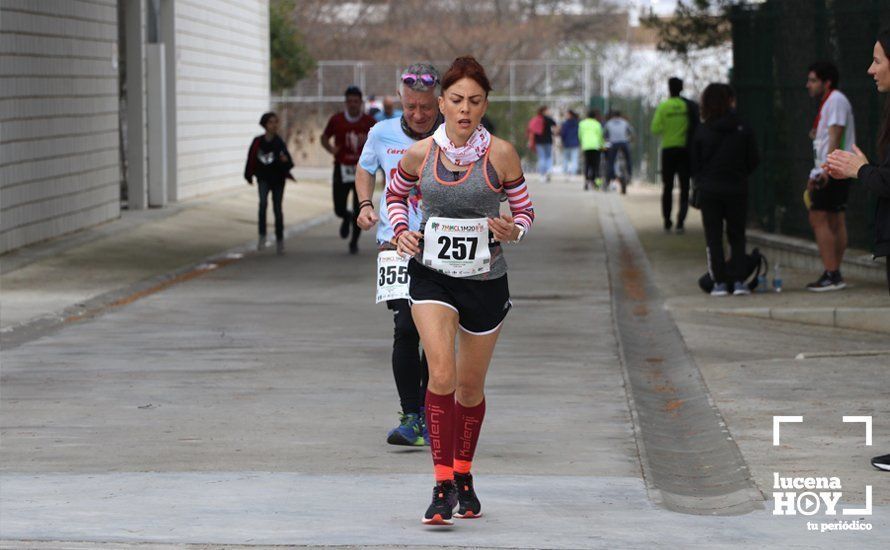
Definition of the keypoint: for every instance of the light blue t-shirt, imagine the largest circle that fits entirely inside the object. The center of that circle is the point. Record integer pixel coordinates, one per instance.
(384, 149)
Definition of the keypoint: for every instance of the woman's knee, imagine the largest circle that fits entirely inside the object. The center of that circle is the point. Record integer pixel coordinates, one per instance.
(441, 380)
(470, 392)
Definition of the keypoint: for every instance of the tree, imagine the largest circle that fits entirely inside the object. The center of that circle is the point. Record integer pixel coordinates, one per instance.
(290, 59)
(492, 30)
(696, 25)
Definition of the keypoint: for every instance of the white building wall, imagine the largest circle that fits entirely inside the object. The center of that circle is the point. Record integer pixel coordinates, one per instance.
(59, 139)
(222, 88)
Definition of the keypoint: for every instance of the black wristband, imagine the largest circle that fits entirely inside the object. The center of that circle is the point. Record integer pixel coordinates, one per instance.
(364, 203)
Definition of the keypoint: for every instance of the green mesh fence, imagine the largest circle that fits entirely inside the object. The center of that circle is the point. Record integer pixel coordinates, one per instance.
(773, 44)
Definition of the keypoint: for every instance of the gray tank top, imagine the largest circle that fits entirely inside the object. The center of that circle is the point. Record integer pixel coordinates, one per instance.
(476, 193)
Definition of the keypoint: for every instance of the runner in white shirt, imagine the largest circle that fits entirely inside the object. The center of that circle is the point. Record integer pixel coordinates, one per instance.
(387, 142)
(825, 197)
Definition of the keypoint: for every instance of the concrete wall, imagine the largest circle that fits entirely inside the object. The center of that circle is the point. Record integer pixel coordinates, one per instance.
(222, 88)
(59, 139)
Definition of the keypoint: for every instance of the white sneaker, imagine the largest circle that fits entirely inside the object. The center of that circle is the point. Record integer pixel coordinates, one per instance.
(740, 289)
(261, 244)
(719, 290)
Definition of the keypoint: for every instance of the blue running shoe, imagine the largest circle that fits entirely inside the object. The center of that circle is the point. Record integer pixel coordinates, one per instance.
(408, 432)
(424, 431)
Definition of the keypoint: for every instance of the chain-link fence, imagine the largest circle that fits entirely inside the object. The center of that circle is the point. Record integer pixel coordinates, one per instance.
(520, 87)
(548, 81)
(773, 44)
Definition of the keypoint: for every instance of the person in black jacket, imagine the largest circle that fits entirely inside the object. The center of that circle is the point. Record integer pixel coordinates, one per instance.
(875, 178)
(723, 155)
(269, 160)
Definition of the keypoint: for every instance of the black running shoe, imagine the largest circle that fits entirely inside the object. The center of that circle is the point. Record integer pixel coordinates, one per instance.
(353, 248)
(838, 280)
(468, 504)
(345, 225)
(827, 282)
(879, 462)
(442, 507)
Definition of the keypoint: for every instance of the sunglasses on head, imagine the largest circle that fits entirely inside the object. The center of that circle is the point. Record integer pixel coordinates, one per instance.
(426, 79)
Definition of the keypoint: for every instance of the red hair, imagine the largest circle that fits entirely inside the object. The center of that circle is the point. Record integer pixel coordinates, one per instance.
(466, 67)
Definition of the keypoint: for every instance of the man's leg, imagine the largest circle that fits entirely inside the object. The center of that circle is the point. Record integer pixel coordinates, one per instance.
(837, 221)
(611, 154)
(597, 156)
(826, 240)
(668, 169)
(683, 174)
(356, 230)
(341, 195)
(626, 148)
(588, 167)
(406, 363)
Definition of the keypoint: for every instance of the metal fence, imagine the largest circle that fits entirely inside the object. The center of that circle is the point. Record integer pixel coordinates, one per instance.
(773, 44)
(545, 81)
(519, 88)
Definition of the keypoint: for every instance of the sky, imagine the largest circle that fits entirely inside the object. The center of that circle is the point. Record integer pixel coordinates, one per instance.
(661, 7)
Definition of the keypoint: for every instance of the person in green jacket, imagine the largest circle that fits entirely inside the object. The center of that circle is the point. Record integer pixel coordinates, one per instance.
(674, 122)
(590, 134)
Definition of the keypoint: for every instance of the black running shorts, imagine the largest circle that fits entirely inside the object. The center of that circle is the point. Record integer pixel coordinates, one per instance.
(832, 197)
(481, 305)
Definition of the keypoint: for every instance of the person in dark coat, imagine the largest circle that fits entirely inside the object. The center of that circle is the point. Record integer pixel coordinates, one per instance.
(269, 160)
(724, 153)
(875, 178)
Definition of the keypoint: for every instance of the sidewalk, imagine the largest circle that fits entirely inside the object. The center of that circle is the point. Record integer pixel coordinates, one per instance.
(44, 280)
(680, 261)
(759, 367)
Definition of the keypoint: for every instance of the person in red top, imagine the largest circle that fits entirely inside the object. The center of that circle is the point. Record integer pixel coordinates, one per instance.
(349, 129)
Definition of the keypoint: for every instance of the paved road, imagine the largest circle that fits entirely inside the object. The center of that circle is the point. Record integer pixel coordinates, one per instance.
(249, 406)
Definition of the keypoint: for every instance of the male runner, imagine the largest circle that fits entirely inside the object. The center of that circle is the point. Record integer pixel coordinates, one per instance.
(672, 121)
(387, 142)
(619, 133)
(833, 128)
(349, 129)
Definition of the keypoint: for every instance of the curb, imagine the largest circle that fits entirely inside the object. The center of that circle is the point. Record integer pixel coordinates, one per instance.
(691, 463)
(803, 254)
(871, 319)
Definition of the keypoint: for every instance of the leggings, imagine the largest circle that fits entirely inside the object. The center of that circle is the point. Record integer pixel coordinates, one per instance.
(674, 162)
(408, 365)
(591, 164)
(341, 196)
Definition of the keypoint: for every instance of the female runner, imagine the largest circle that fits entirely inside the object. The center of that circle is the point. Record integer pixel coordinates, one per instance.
(458, 273)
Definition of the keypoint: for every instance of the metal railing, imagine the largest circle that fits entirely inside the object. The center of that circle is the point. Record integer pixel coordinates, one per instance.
(545, 81)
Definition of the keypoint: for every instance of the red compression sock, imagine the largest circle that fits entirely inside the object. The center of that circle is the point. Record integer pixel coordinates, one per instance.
(440, 423)
(466, 435)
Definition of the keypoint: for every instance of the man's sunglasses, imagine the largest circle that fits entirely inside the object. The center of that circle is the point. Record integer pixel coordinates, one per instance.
(409, 79)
